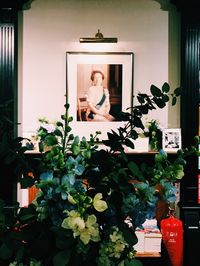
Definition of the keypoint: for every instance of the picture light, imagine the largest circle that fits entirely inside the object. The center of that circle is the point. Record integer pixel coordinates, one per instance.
(99, 38)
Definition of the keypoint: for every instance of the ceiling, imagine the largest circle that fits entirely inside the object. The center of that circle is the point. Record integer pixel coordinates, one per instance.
(180, 4)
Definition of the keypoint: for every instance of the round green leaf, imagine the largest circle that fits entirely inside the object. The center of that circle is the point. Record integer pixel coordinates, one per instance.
(57, 132)
(68, 129)
(59, 124)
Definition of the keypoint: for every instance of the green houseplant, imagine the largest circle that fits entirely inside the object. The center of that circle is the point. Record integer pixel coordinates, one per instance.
(88, 198)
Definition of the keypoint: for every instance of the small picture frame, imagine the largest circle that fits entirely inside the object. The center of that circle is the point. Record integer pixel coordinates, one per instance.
(171, 139)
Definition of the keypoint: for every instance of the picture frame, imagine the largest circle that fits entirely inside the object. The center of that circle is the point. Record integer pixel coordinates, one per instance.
(171, 139)
(117, 69)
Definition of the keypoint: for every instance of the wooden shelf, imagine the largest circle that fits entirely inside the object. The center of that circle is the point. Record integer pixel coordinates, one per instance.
(148, 254)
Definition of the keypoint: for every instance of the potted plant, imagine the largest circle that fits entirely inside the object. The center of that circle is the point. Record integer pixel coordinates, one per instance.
(90, 200)
(154, 133)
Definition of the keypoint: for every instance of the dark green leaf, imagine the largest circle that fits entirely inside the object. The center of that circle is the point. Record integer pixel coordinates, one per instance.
(67, 106)
(177, 92)
(140, 99)
(57, 132)
(70, 119)
(68, 129)
(63, 243)
(20, 253)
(62, 258)
(165, 98)
(51, 140)
(133, 167)
(130, 236)
(129, 143)
(159, 102)
(173, 101)
(155, 91)
(165, 87)
(134, 134)
(138, 122)
(133, 262)
(144, 109)
(59, 124)
(5, 252)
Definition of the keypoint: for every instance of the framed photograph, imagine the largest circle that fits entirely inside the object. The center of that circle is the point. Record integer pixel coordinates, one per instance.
(171, 139)
(99, 86)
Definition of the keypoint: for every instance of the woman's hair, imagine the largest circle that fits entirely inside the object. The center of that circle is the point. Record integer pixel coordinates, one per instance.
(94, 72)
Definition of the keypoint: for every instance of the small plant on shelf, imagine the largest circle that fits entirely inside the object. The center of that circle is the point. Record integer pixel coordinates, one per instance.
(154, 133)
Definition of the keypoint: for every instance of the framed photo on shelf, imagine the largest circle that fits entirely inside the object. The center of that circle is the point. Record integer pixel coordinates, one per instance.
(98, 86)
(171, 139)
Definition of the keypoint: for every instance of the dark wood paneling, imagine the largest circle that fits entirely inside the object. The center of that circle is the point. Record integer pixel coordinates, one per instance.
(6, 62)
(16, 4)
(8, 94)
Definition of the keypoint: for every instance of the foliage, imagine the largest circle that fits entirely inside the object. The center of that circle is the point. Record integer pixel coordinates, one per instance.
(12, 159)
(155, 135)
(127, 134)
(86, 195)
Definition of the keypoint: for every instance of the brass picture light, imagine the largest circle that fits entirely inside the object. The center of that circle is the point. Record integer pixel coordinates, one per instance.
(99, 38)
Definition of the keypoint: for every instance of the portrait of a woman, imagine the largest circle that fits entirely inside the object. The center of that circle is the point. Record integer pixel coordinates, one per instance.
(98, 101)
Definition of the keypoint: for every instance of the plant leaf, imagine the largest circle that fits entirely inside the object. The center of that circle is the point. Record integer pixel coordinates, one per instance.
(173, 100)
(57, 132)
(177, 91)
(5, 252)
(165, 87)
(159, 102)
(51, 140)
(133, 262)
(165, 98)
(62, 258)
(155, 91)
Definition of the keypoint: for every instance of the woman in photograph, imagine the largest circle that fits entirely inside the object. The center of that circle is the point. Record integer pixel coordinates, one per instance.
(98, 99)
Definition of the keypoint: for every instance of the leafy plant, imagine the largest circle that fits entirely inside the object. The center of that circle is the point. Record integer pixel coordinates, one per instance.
(127, 134)
(13, 163)
(155, 135)
(86, 195)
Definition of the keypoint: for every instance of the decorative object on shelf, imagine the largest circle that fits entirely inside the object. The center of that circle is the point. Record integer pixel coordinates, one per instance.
(99, 38)
(85, 197)
(171, 139)
(155, 135)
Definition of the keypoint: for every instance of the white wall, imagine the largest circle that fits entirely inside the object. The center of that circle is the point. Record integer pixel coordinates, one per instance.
(51, 28)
